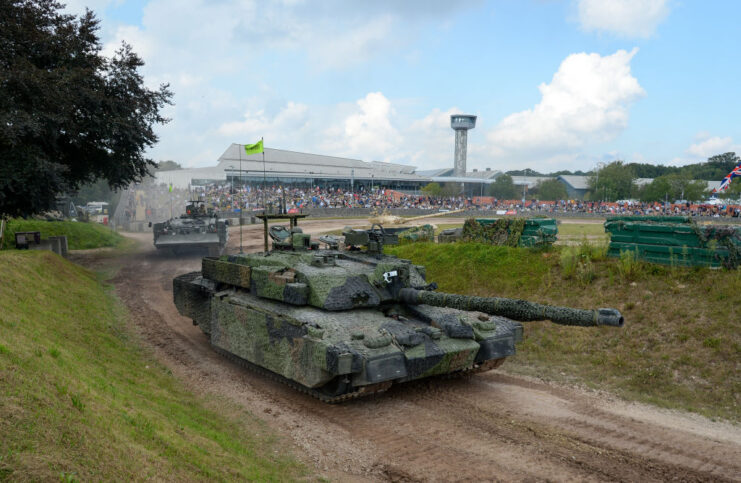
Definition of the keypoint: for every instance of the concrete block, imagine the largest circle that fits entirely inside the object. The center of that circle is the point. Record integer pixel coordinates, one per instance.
(63, 246)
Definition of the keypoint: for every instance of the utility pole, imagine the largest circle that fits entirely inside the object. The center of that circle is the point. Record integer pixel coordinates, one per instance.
(524, 186)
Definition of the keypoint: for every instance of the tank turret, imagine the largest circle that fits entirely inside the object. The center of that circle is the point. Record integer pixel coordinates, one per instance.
(339, 323)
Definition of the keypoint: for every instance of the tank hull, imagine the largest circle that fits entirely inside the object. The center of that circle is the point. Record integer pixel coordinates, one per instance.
(190, 235)
(198, 242)
(339, 354)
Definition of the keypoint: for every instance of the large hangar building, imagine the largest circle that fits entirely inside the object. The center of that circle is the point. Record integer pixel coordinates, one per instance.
(281, 167)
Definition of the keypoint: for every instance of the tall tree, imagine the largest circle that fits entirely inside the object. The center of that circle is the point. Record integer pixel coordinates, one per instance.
(612, 181)
(503, 188)
(675, 186)
(551, 190)
(68, 115)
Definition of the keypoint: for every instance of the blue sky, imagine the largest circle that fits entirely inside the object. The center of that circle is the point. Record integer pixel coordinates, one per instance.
(556, 84)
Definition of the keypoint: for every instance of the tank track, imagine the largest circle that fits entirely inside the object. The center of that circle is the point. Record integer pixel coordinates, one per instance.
(470, 371)
(360, 392)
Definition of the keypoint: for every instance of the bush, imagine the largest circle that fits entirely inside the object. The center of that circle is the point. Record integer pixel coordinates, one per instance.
(568, 262)
(628, 265)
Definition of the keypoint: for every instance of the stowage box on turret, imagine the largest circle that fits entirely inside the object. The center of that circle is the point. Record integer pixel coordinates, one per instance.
(341, 323)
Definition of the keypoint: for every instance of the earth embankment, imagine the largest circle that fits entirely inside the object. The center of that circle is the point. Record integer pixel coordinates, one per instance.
(491, 426)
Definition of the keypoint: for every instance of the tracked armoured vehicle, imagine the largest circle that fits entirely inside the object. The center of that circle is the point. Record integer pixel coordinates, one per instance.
(341, 323)
(198, 229)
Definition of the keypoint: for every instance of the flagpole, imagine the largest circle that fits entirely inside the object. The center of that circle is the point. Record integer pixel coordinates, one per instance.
(239, 202)
(264, 207)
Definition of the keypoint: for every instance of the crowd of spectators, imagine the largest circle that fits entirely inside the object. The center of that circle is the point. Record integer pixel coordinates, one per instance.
(251, 198)
(255, 198)
(159, 202)
(627, 208)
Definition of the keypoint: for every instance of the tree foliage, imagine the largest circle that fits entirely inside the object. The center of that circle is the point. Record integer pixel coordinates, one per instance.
(503, 188)
(524, 172)
(733, 192)
(675, 186)
(551, 190)
(168, 165)
(450, 190)
(68, 115)
(713, 169)
(97, 191)
(432, 189)
(612, 182)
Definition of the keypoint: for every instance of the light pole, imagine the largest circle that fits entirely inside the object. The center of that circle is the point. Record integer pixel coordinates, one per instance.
(231, 188)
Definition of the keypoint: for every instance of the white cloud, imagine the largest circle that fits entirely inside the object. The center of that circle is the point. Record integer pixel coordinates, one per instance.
(429, 140)
(353, 45)
(290, 120)
(367, 129)
(220, 62)
(364, 130)
(712, 146)
(585, 103)
(627, 18)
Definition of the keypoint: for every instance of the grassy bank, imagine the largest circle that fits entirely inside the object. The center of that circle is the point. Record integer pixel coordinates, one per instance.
(81, 401)
(680, 347)
(79, 235)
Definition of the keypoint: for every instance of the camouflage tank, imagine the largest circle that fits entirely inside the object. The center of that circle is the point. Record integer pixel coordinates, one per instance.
(199, 229)
(341, 323)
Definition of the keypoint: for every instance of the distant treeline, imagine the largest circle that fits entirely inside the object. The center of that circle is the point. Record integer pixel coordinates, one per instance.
(714, 169)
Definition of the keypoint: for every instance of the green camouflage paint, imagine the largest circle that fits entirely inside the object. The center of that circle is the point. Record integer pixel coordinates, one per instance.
(342, 323)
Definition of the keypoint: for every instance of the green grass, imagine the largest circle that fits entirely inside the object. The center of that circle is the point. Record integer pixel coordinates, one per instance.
(581, 229)
(680, 346)
(80, 235)
(81, 401)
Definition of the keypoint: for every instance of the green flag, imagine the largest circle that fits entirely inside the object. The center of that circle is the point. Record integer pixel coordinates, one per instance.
(170, 189)
(253, 148)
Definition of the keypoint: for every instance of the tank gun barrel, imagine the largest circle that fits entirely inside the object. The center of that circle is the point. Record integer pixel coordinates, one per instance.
(515, 309)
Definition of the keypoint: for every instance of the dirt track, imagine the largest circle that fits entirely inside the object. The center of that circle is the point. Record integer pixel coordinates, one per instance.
(488, 427)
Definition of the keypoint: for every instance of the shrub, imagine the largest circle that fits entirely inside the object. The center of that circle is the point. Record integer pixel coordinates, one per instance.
(628, 265)
(568, 262)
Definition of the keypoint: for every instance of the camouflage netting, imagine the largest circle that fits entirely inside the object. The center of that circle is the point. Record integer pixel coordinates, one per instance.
(504, 231)
(424, 233)
(675, 241)
(728, 237)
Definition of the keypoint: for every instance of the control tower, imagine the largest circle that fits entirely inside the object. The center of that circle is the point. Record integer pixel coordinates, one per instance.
(461, 123)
